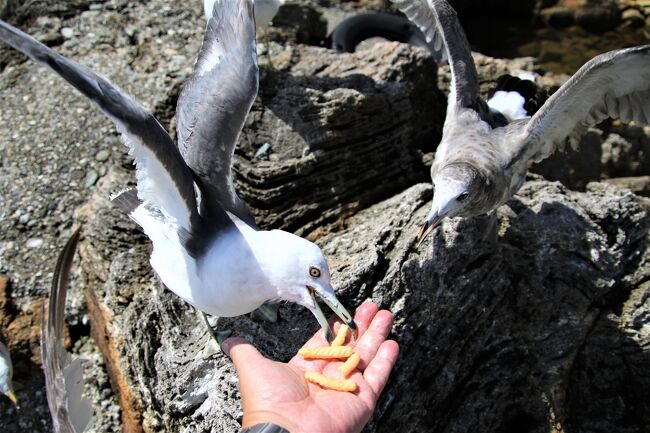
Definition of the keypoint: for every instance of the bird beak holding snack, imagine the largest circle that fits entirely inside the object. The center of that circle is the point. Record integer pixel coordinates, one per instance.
(335, 306)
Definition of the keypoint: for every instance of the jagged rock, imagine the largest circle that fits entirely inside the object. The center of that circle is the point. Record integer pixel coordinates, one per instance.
(337, 125)
(639, 185)
(500, 322)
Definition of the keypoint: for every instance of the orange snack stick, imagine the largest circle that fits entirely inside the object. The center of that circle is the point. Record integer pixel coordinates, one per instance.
(326, 352)
(348, 385)
(341, 335)
(348, 366)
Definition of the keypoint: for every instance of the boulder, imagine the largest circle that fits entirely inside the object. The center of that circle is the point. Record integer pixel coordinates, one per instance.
(501, 319)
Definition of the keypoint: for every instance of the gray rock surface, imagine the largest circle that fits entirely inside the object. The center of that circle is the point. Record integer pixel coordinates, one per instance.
(501, 323)
(504, 327)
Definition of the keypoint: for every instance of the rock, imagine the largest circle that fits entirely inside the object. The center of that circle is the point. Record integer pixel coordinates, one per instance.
(67, 32)
(626, 151)
(639, 185)
(91, 178)
(300, 24)
(557, 16)
(354, 112)
(575, 169)
(633, 17)
(500, 309)
(102, 155)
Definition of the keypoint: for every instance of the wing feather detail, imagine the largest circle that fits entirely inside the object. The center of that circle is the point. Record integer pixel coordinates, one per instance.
(612, 85)
(63, 376)
(215, 101)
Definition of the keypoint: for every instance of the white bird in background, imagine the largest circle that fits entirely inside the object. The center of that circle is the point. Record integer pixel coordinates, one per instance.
(6, 374)
(480, 163)
(206, 246)
(64, 384)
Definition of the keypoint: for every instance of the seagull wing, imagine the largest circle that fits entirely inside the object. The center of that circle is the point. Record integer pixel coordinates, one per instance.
(437, 19)
(63, 376)
(215, 101)
(615, 84)
(163, 178)
(420, 14)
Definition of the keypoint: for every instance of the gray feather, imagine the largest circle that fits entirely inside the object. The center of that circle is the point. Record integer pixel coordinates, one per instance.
(438, 18)
(63, 377)
(615, 84)
(215, 101)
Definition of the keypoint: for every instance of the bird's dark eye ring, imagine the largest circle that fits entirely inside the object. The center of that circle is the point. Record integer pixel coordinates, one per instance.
(314, 272)
(463, 196)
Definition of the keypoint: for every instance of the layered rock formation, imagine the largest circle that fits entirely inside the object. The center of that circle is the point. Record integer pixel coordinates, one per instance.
(506, 323)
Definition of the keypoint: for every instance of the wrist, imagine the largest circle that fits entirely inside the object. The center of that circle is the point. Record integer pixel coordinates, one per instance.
(255, 418)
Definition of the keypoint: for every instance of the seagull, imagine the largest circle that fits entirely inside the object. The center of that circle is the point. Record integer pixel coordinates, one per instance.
(70, 412)
(480, 163)
(206, 246)
(6, 373)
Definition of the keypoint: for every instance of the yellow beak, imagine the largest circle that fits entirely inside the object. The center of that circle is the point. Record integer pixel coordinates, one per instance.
(12, 397)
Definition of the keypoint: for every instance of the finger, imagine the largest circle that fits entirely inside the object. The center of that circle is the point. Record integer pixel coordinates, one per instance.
(244, 356)
(378, 370)
(364, 315)
(373, 337)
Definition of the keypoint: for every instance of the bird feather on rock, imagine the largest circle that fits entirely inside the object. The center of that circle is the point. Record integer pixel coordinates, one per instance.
(63, 375)
(480, 164)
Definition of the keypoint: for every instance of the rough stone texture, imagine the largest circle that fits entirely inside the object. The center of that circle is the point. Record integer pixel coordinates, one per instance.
(639, 185)
(337, 125)
(500, 323)
(489, 324)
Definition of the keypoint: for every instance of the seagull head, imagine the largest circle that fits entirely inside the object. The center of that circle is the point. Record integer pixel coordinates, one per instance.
(301, 275)
(454, 192)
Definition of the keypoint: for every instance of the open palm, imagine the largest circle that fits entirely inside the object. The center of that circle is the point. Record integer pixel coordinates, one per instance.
(278, 393)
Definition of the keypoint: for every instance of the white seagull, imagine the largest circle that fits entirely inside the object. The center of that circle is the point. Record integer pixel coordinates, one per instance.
(206, 246)
(480, 164)
(6, 374)
(70, 411)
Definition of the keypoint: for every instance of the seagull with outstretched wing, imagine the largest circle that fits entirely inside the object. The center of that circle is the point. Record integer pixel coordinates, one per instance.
(206, 246)
(481, 163)
(63, 375)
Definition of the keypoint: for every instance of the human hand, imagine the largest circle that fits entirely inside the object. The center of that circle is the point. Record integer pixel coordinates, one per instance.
(275, 392)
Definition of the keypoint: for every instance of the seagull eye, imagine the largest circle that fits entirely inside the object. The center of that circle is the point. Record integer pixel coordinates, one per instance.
(314, 272)
(463, 196)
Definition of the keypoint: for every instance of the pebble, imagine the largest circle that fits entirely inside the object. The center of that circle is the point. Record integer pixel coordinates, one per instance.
(102, 155)
(67, 32)
(91, 178)
(263, 150)
(34, 243)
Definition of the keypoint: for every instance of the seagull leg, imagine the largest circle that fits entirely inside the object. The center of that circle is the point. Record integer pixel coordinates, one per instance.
(267, 312)
(267, 44)
(217, 336)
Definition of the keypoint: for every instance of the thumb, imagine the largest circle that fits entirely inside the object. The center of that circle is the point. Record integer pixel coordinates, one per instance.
(244, 356)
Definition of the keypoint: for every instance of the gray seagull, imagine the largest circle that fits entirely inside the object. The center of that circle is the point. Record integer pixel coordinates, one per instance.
(63, 375)
(480, 164)
(206, 246)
